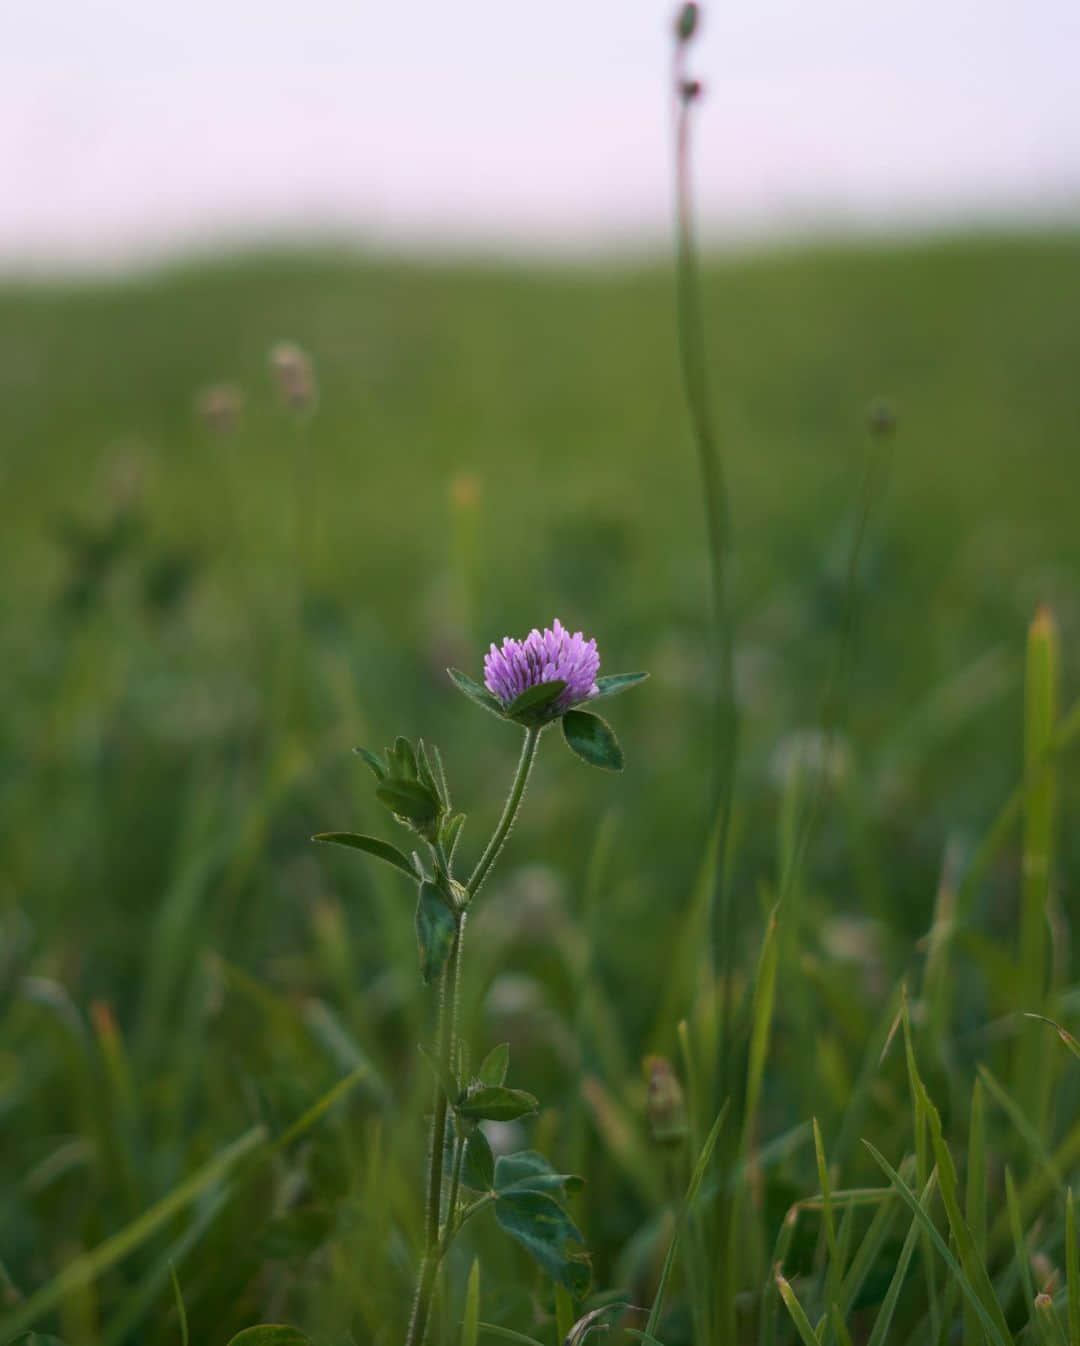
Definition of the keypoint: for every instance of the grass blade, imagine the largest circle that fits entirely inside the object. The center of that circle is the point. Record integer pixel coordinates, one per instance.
(1072, 1267)
(87, 1267)
(883, 1321)
(692, 1189)
(997, 1334)
(470, 1323)
(181, 1311)
(1020, 1248)
(975, 1199)
(1033, 1077)
(798, 1315)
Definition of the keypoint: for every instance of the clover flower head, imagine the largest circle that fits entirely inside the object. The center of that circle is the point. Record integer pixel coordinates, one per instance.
(551, 655)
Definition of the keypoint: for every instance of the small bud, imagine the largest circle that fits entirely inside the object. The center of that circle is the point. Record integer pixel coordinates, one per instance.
(881, 418)
(665, 1105)
(690, 90)
(292, 370)
(218, 408)
(1043, 1301)
(686, 22)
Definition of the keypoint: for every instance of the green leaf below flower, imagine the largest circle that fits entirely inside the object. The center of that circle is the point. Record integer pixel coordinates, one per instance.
(494, 1066)
(374, 761)
(382, 850)
(496, 1103)
(545, 1230)
(478, 1169)
(475, 692)
(592, 739)
(408, 799)
(436, 927)
(614, 683)
(529, 1171)
(534, 703)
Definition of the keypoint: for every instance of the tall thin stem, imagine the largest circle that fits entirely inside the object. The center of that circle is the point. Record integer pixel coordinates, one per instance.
(506, 822)
(694, 365)
(449, 988)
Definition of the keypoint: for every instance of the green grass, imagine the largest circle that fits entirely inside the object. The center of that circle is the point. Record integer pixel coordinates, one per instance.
(185, 981)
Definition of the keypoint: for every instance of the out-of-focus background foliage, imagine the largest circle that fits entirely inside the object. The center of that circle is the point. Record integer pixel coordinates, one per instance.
(211, 1098)
(200, 622)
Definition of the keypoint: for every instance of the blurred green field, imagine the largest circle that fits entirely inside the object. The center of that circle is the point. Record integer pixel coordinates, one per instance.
(197, 629)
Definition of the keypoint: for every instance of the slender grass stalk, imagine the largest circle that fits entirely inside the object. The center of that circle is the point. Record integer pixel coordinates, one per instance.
(975, 1199)
(693, 359)
(429, 1269)
(1034, 1077)
(449, 991)
(1072, 1267)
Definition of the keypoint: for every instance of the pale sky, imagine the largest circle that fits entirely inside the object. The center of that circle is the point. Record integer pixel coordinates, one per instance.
(132, 127)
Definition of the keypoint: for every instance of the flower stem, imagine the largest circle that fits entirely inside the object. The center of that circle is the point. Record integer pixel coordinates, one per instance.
(506, 822)
(448, 1007)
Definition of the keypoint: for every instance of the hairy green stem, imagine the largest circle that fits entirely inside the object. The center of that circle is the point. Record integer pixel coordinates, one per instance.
(448, 997)
(506, 822)
(434, 1246)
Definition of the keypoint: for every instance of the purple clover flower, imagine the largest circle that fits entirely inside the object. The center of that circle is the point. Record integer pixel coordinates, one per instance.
(543, 656)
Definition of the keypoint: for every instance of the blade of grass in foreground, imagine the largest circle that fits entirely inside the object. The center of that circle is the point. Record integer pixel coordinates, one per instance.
(508, 1334)
(975, 1199)
(470, 1325)
(255, 1146)
(1034, 1077)
(1020, 1248)
(991, 1327)
(883, 1321)
(973, 1264)
(696, 1179)
(807, 1335)
(1072, 1267)
(89, 1266)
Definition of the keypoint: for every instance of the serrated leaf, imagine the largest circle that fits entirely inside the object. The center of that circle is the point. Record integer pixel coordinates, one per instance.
(478, 1169)
(494, 1066)
(529, 1171)
(535, 702)
(615, 683)
(270, 1334)
(382, 850)
(480, 695)
(545, 1230)
(378, 766)
(497, 1104)
(436, 927)
(408, 799)
(592, 739)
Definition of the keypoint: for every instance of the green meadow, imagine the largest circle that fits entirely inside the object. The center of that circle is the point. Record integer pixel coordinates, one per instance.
(212, 1104)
